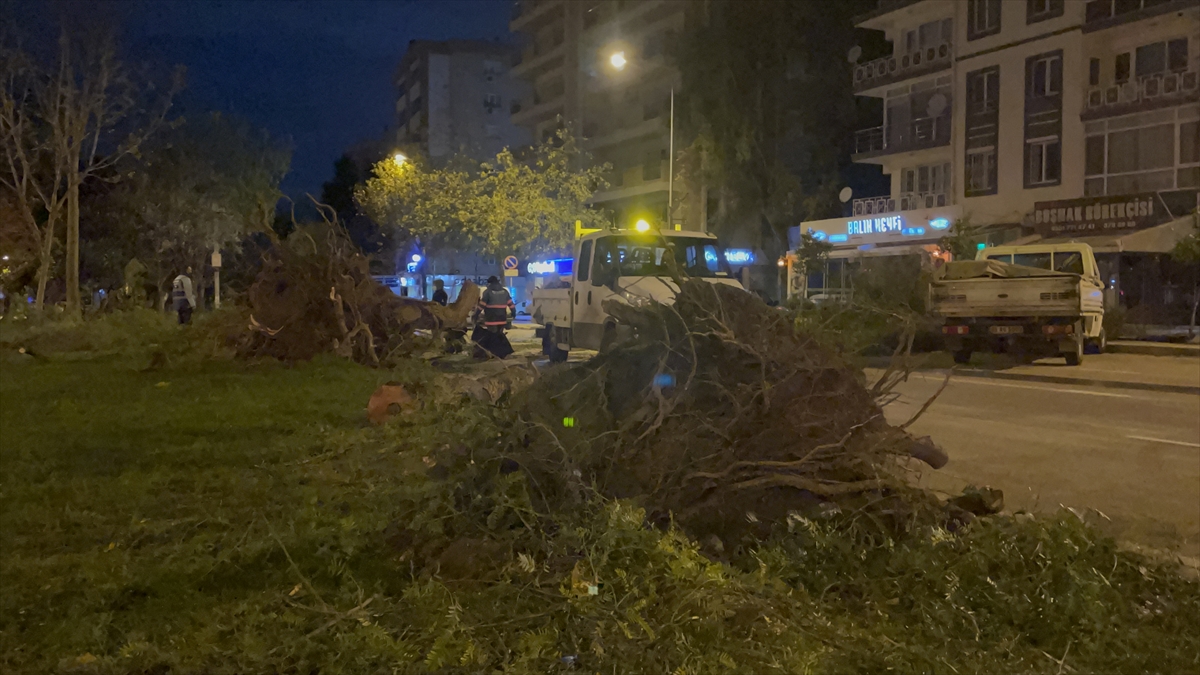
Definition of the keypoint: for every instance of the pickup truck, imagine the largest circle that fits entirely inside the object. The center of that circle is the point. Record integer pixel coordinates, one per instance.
(628, 266)
(1032, 301)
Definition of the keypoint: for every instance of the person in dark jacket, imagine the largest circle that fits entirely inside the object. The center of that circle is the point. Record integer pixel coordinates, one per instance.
(439, 292)
(495, 310)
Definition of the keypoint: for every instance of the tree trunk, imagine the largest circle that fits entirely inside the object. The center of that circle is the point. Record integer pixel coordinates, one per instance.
(1195, 306)
(74, 305)
(198, 283)
(46, 264)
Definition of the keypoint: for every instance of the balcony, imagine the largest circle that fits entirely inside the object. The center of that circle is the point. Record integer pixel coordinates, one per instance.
(919, 134)
(1150, 92)
(891, 69)
(537, 60)
(1101, 14)
(909, 201)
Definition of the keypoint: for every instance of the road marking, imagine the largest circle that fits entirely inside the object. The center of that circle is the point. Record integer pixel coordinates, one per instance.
(1163, 440)
(979, 380)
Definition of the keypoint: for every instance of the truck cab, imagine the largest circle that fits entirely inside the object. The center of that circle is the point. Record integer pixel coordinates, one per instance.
(628, 266)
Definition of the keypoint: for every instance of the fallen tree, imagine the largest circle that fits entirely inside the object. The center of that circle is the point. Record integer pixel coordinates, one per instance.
(315, 294)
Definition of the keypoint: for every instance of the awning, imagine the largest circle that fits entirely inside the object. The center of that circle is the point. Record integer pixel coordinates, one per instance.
(1158, 239)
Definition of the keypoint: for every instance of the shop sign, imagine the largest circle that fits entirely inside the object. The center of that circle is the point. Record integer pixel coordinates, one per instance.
(739, 256)
(1099, 215)
(881, 225)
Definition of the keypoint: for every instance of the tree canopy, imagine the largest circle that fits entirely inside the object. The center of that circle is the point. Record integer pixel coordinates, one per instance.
(513, 203)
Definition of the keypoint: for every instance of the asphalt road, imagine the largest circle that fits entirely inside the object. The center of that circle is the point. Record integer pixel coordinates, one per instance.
(1134, 456)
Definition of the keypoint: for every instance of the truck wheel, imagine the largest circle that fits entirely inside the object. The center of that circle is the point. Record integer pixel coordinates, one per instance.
(962, 356)
(1075, 357)
(1099, 344)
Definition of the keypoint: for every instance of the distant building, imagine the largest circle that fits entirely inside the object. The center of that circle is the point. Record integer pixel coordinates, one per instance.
(457, 97)
(1038, 119)
(622, 115)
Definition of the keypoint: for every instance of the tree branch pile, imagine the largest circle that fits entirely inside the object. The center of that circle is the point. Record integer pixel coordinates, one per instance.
(720, 414)
(315, 294)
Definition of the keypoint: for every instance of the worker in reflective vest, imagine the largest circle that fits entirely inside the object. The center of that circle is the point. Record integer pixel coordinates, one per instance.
(496, 304)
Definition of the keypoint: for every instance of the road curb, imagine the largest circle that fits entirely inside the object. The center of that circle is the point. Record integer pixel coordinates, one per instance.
(1055, 379)
(1152, 348)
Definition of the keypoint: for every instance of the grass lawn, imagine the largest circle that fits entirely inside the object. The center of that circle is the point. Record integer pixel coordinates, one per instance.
(222, 517)
(128, 496)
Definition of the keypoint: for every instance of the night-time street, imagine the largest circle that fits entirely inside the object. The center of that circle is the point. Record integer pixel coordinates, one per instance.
(525, 337)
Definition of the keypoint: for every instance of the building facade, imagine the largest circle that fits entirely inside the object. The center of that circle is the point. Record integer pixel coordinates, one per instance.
(455, 97)
(623, 112)
(997, 110)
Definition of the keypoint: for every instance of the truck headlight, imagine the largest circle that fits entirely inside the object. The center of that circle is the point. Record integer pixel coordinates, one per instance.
(636, 300)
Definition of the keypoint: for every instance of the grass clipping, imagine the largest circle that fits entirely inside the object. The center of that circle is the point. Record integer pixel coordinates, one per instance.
(718, 414)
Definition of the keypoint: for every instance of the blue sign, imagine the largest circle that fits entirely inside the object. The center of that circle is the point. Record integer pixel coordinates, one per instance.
(940, 223)
(560, 266)
(838, 238)
(883, 225)
(913, 231)
(739, 256)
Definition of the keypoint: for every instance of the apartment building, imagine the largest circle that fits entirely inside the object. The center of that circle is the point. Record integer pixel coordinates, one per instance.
(621, 112)
(1037, 119)
(456, 97)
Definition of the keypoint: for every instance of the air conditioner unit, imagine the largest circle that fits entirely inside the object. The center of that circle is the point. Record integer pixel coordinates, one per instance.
(941, 200)
(1151, 87)
(891, 205)
(944, 50)
(858, 208)
(930, 200)
(1112, 95)
(906, 61)
(1095, 98)
(1129, 92)
(1170, 83)
(1190, 80)
(930, 54)
(916, 58)
(906, 203)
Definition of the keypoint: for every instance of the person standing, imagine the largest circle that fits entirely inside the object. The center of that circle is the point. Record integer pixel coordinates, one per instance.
(439, 292)
(496, 305)
(183, 297)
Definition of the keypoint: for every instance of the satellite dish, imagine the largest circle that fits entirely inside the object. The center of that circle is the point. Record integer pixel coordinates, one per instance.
(845, 194)
(854, 54)
(937, 105)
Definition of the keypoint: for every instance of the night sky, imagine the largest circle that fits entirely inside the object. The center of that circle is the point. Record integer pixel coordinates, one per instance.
(315, 72)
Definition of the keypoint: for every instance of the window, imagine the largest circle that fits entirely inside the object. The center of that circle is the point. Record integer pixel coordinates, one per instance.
(1045, 76)
(1043, 162)
(984, 90)
(1151, 59)
(645, 256)
(585, 261)
(1121, 71)
(1189, 143)
(1068, 261)
(652, 166)
(1094, 73)
(653, 46)
(1039, 260)
(492, 70)
(983, 18)
(491, 102)
(515, 108)
(1177, 55)
(1040, 10)
(981, 172)
(1093, 163)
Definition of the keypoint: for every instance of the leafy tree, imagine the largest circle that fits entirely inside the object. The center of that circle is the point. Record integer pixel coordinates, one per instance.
(339, 195)
(201, 186)
(511, 204)
(963, 240)
(767, 97)
(1187, 251)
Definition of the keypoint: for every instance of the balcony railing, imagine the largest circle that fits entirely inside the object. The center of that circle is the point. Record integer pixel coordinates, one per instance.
(1149, 91)
(921, 133)
(894, 68)
(909, 201)
(1099, 14)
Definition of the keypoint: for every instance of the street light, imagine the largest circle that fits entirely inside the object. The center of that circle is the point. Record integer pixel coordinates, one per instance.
(399, 159)
(618, 61)
(642, 226)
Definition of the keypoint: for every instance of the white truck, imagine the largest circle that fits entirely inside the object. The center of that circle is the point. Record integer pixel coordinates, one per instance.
(625, 265)
(1032, 301)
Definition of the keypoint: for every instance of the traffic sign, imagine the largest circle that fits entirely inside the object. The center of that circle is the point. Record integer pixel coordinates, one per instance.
(510, 273)
(510, 263)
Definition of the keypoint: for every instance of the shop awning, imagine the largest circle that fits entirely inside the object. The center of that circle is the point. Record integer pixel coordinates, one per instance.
(1158, 239)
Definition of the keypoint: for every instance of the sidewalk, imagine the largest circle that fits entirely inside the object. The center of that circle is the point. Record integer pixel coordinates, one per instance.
(1172, 374)
(1154, 348)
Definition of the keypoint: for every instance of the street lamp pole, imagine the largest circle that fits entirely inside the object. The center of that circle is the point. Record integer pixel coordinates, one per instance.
(671, 164)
